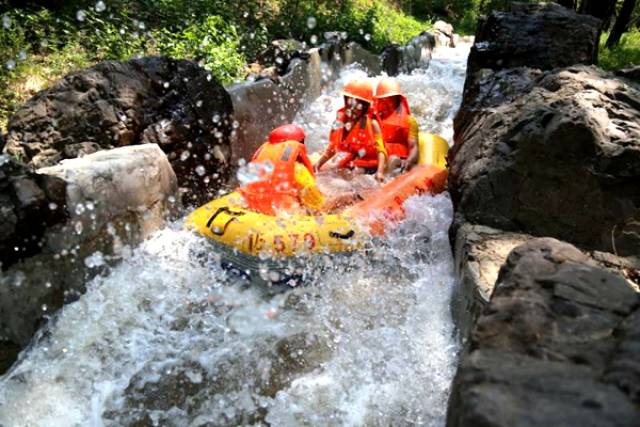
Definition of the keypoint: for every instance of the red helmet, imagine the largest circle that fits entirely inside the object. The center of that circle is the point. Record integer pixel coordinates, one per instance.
(360, 89)
(289, 132)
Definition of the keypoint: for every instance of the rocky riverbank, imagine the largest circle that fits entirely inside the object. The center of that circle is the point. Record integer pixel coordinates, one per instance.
(546, 156)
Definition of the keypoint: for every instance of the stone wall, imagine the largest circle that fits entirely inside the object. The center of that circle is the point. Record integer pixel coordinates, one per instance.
(545, 144)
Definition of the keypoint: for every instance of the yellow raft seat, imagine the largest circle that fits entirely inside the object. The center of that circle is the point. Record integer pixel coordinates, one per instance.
(249, 240)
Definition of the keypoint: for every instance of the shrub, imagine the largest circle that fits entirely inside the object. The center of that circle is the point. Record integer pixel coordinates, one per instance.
(625, 54)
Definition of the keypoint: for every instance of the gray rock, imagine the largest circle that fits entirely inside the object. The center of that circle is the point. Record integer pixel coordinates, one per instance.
(553, 153)
(114, 199)
(444, 34)
(631, 73)
(479, 252)
(175, 104)
(417, 53)
(557, 345)
(543, 36)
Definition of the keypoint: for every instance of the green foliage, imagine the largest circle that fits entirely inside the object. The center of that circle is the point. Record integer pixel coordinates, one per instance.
(42, 45)
(210, 41)
(625, 54)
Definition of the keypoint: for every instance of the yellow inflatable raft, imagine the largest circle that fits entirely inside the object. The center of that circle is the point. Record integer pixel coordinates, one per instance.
(248, 238)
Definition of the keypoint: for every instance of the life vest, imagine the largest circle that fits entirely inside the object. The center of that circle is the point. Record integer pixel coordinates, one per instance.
(395, 130)
(358, 142)
(278, 190)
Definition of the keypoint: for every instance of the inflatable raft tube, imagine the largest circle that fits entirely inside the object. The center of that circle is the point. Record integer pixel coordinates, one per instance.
(255, 242)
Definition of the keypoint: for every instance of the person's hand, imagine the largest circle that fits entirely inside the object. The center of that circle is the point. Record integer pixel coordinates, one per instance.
(379, 176)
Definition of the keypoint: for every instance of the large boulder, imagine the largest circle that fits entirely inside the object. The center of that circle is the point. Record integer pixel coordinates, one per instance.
(176, 104)
(114, 199)
(29, 204)
(557, 345)
(543, 36)
(554, 153)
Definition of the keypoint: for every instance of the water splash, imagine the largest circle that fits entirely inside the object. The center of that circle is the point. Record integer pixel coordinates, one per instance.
(169, 338)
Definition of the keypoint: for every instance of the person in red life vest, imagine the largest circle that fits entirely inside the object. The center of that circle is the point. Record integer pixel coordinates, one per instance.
(356, 134)
(286, 179)
(399, 128)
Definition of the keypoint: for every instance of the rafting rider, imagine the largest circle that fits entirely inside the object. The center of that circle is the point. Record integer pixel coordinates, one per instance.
(356, 134)
(287, 180)
(399, 128)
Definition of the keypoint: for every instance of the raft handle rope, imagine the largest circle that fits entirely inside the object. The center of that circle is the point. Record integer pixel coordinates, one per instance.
(344, 236)
(223, 209)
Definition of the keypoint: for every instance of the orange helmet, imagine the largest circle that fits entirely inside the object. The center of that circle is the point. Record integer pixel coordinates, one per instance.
(388, 86)
(360, 89)
(287, 133)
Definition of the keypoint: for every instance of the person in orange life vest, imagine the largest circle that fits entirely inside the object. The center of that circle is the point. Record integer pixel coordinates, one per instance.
(287, 180)
(356, 133)
(399, 128)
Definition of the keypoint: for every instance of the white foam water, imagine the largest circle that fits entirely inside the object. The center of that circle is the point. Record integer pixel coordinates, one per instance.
(167, 338)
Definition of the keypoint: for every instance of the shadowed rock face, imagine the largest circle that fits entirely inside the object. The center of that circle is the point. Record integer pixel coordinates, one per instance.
(542, 36)
(175, 104)
(554, 346)
(29, 203)
(552, 153)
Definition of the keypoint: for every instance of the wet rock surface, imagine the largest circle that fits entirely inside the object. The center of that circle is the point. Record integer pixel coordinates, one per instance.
(175, 104)
(103, 204)
(557, 345)
(29, 204)
(542, 36)
(552, 154)
(545, 145)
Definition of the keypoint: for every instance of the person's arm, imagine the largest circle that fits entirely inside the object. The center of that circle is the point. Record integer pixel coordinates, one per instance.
(382, 151)
(414, 149)
(310, 195)
(326, 156)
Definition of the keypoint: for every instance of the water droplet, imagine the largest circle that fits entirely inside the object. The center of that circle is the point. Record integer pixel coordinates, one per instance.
(100, 6)
(78, 227)
(142, 26)
(362, 152)
(94, 260)
(209, 77)
(90, 206)
(81, 15)
(185, 155)
(6, 22)
(166, 85)
(44, 307)
(200, 170)
(245, 14)
(79, 209)
(216, 118)
(47, 285)
(311, 22)
(53, 206)
(279, 60)
(199, 103)
(367, 37)
(235, 124)
(11, 64)
(314, 39)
